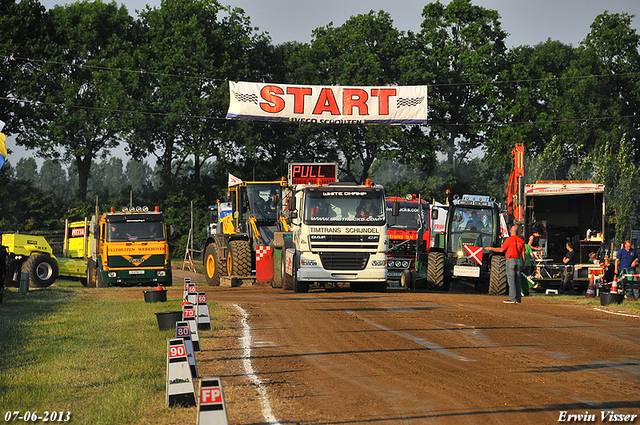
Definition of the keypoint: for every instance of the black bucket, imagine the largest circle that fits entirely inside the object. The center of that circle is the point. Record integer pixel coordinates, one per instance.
(155, 296)
(609, 298)
(167, 319)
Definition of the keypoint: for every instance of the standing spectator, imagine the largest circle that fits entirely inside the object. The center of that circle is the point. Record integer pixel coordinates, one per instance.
(513, 247)
(609, 271)
(567, 276)
(627, 258)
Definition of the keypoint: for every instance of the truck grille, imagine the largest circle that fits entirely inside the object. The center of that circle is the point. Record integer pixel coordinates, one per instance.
(344, 260)
(357, 242)
(399, 247)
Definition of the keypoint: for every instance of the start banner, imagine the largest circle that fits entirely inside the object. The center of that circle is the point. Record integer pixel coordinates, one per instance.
(327, 104)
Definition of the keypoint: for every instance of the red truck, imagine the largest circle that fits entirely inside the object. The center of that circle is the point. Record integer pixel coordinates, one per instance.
(409, 234)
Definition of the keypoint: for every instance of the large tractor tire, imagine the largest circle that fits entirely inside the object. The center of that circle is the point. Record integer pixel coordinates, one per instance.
(435, 271)
(239, 258)
(214, 265)
(42, 269)
(498, 276)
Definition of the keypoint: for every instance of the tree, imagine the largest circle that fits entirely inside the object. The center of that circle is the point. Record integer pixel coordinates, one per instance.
(79, 94)
(188, 53)
(363, 51)
(27, 169)
(460, 52)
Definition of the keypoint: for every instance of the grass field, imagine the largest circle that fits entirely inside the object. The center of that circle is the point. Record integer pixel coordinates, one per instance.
(96, 353)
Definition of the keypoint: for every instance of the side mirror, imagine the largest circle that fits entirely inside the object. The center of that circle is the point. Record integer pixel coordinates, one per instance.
(434, 214)
(173, 232)
(395, 209)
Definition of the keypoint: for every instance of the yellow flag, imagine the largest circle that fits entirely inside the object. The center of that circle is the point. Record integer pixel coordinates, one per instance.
(3, 148)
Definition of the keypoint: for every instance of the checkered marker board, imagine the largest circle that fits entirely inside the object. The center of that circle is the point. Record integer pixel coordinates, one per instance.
(264, 264)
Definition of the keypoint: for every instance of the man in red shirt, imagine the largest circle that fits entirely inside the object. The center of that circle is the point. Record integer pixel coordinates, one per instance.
(513, 247)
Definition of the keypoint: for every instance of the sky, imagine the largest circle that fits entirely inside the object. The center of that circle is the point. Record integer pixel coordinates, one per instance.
(528, 22)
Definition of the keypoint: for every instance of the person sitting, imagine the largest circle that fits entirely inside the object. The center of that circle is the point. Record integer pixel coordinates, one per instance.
(475, 223)
(366, 209)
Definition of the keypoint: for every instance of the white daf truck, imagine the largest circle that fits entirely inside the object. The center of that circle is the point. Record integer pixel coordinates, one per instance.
(339, 231)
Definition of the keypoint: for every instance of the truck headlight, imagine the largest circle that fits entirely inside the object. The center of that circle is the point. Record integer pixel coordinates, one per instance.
(405, 264)
(112, 274)
(460, 254)
(379, 263)
(308, 262)
(161, 273)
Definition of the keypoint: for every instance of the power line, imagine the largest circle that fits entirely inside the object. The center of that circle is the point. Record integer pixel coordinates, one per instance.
(220, 80)
(205, 117)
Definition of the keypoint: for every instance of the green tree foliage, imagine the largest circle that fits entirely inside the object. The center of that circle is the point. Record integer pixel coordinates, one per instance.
(189, 50)
(460, 52)
(77, 102)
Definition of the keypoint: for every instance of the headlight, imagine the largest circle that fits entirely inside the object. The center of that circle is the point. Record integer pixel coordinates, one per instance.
(460, 254)
(161, 273)
(112, 274)
(379, 263)
(309, 262)
(405, 264)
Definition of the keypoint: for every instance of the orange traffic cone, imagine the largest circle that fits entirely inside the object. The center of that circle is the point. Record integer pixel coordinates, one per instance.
(614, 285)
(590, 289)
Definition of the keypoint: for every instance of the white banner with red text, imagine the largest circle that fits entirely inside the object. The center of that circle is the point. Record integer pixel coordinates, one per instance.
(327, 104)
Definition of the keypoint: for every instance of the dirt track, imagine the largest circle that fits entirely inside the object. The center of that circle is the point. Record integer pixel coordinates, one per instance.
(414, 358)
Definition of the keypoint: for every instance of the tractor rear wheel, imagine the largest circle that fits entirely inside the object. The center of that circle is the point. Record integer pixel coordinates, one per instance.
(239, 258)
(42, 269)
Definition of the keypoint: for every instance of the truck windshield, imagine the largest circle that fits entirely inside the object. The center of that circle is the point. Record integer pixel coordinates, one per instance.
(265, 200)
(135, 231)
(471, 226)
(345, 209)
(408, 219)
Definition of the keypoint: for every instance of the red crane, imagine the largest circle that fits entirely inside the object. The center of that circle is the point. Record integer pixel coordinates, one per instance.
(514, 195)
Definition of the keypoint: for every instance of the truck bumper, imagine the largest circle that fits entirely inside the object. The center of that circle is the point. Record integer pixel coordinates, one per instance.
(136, 277)
(375, 270)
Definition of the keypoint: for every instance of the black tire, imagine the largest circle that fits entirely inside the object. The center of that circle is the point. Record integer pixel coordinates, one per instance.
(435, 271)
(169, 281)
(214, 266)
(298, 286)
(406, 280)
(239, 258)
(42, 269)
(498, 276)
(100, 283)
(91, 274)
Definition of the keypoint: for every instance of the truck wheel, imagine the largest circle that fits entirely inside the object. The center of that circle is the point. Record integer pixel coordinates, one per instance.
(406, 280)
(239, 259)
(435, 271)
(498, 276)
(214, 266)
(298, 286)
(91, 274)
(42, 269)
(100, 283)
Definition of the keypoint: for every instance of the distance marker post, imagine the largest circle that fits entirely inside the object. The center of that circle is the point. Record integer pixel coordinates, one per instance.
(180, 389)
(189, 315)
(211, 405)
(204, 320)
(183, 332)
